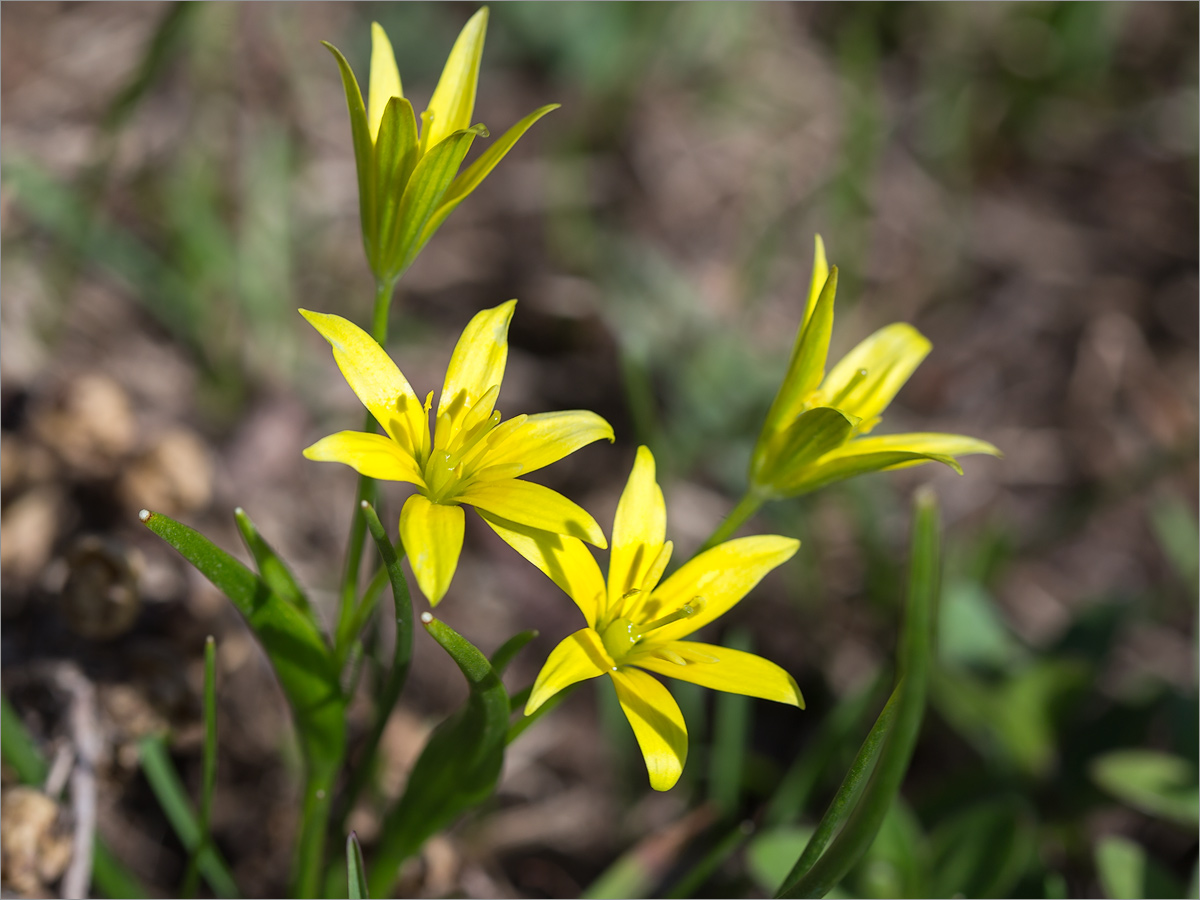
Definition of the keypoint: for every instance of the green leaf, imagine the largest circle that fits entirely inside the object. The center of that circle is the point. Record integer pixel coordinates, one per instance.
(172, 797)
(510, 648)
(472, 176)
(1158, 784)
(895, 740)
(896, 863)
(458, 767)
(1127, 873)
(771, 855)
(355, 869)
(429, 182)
(306, 672)
(984, 850)
(363, 157)
(731, 734)
(851, 465)
(273, 570)
(395, 158)
(209, 767)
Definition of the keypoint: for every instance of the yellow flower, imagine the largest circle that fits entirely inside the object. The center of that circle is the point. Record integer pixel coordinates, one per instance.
(635, 624)
(813, 434)
(408, 183)
(470, 458)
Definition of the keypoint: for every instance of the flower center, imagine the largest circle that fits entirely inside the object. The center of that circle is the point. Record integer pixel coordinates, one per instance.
(621, 635)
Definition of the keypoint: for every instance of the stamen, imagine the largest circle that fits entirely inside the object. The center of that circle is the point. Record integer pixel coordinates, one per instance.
(684, 612)
(477, 433)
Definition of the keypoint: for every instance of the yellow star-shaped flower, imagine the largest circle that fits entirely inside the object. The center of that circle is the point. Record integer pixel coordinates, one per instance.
(636, 625)
(470, 458)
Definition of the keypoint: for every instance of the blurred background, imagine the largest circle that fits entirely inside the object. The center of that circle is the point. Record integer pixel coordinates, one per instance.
(1019, 181)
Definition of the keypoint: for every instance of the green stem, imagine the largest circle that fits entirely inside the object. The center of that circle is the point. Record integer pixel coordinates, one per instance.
(516, 728)
(746, 507)
(366, 492)
(310, 850)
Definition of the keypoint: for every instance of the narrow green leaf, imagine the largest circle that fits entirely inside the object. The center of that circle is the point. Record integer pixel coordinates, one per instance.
(509, 649)
(272, 569)
(850, 465)
(694, 880)
(898, 738)
(1158, 784)
(110, 877)
(984, 850)
(731, 733)
(363, 157)
(169, 790)
(356, 870)
(393, 684)
(424, 191)
(209, 770)
(472, 176)
(519, 726)
(457, 769)
(395, 158)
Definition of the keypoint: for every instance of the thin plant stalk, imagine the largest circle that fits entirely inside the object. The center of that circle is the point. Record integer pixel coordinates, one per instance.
(191, 878)
(746, 507)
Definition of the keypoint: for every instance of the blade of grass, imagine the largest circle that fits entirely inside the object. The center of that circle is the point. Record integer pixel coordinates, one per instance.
(731, 732)
(273, 570)
(699, 875)
(356, 870)
(815, 877)
(169, 790)
(509, 649)
(191, 878)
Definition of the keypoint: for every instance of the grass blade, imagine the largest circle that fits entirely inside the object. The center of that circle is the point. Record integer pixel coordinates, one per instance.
(209, 777)
(356, 870)
(172, 797)
(896, 738)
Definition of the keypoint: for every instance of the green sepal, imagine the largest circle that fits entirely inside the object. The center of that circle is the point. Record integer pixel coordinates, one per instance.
(271, 568)
(295, 647)
(813, 434)
(472, 176)
(459, 766)
(848, 466)
(356, 870)
(806, 367)
(363, 156)
(432, 177)
(395, 157)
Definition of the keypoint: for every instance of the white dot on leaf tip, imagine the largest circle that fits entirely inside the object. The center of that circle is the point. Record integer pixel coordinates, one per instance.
(144, 515)
(426, 617)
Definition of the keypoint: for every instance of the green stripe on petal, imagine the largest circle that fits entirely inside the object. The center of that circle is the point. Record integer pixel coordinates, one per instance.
(820, 272)
(888, 357)
(374, 378)
(368, 454)
(476, 366)
(453, 99)
(732, 671)
(535, 506)
(385, 77)
(717, 579)
(639, 528)
(657, 724)
(539, 440)
(932, 443)
(432, 534)
(578, 657)
(566, 561)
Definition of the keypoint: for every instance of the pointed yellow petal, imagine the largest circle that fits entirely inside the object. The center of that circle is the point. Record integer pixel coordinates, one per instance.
(732, 671)
(657, 724)
(819, 273)
(577, 657)
(892, 451)
(453, 99)
(638, 529)
(476, 366)
(368, 454)
(535, 506)
(362, 133)
(716, 580)
(567, 562)
(385, 77)
(373, 376)
(432, 534)
(536, 441)
(888, 357)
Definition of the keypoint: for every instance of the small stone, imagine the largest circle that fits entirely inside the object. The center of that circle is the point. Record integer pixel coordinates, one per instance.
(35, 840)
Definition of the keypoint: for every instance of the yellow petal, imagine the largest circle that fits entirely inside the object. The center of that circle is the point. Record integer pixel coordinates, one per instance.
(732, 671)
(535, 506)
(638, 529)
(373, 376)
(368, 454)
(536, 441)
(453, 99)
(567, 562)
(657, 724)
(577, 657)
(716, 580)
(385, 77)
(476, 366)
(432, 534)
(931, 443)
(819, 273)
(888, 357)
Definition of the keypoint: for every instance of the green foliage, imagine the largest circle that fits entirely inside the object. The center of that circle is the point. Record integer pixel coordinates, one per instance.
(1158, 784)
(356, 873)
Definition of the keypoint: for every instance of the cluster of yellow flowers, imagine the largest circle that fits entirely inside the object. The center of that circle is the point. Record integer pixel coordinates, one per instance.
(635, 620)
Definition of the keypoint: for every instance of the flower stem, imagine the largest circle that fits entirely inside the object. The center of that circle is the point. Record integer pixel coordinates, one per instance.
(746, 507)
